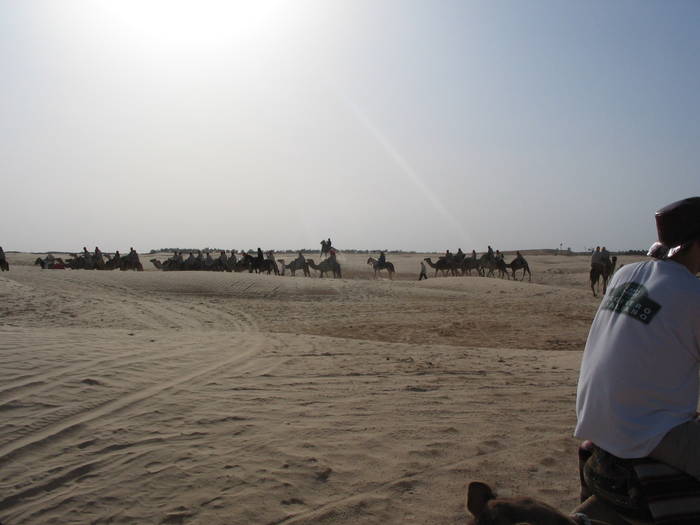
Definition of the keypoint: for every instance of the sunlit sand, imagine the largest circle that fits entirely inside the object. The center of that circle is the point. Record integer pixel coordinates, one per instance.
(201, 397)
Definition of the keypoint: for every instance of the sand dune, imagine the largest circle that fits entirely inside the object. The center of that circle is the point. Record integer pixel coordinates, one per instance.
(193, 397)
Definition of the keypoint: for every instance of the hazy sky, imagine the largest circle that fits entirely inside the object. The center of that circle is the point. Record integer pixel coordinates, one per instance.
(383, 124)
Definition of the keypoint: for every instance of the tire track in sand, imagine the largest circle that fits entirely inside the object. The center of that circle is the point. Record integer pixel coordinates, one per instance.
(16, 447)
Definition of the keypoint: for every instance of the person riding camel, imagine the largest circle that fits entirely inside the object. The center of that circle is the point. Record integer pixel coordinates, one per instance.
(604, 255)
(300, 258)
(97, 258)
(474, 254)
(490, 253)
(638, 386)
(2, 254)
(260, 255)
(331, 254)
(381, 262)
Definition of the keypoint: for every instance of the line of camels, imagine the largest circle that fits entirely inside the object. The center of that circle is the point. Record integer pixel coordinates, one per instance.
(487, 265)
(91, 262)
(246, 262)
(454, 265)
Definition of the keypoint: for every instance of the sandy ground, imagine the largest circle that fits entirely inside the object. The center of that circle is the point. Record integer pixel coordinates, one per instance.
(223, 398)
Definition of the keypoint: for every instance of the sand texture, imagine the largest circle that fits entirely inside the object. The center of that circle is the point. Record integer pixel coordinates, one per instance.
(236, 398)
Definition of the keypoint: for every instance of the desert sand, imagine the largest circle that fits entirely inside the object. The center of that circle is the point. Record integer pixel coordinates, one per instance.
(236, 398)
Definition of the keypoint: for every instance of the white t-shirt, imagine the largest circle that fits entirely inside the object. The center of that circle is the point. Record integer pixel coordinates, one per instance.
(639, 373)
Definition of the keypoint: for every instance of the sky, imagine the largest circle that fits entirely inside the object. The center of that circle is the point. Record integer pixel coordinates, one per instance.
(383, 124)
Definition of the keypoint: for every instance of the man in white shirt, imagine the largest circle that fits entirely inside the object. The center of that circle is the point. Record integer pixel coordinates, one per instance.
(638, 386)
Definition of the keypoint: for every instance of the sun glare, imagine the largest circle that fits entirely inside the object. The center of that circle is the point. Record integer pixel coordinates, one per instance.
(179, 25)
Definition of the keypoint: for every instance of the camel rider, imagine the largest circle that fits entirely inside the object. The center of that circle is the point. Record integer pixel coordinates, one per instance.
(271, 256)
(133, 256)
(97, 258)
(490, 252)
(382, 259)
(222, 258)
(519, 257)
(474, 254)
(638, 384)
(261, 258)
(300, 258)
(2, 254)
(117, 257)
(209, 262)
(331, 254)
(499, 256)
(604, 255)
(190, 260)
(596, 259)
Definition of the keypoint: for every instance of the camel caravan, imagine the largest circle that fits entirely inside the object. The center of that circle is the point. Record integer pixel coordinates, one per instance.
(243, 261)
(92, 261)
(489, 264)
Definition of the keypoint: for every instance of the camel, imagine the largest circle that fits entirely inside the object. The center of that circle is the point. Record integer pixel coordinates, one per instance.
(76, 262)
(167, 266)
(57, 264)
(442, 265)
(602, 270)
(487, 508)
(294, 266)
(468, 264)
(325, 266)
(377, 267)
(519, 263)
(260, 266)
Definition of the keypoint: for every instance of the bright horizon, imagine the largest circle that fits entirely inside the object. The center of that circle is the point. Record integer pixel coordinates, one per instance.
(394, 124)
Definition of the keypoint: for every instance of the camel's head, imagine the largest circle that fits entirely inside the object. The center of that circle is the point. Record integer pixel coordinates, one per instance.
(489, 509)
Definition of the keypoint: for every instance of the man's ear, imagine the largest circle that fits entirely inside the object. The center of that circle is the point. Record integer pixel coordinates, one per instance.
(478, 495)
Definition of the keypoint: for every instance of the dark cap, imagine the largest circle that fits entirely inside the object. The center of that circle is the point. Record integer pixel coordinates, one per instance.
(679, 222)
